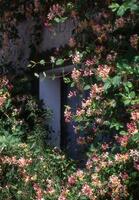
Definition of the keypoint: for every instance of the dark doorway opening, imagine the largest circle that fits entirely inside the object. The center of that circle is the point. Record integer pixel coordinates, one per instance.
(68, 137)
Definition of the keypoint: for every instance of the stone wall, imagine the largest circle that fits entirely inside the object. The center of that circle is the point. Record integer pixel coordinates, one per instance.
(18, 51)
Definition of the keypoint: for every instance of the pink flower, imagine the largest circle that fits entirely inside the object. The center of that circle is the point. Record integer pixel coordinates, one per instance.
(103, 71)
(71, 180)
(86, 103)
(38, 191)
(48, 25)
(132, 127)
(111, 57)
(68, 114)
(50, 190)
(134, 39)
(80, 112)
(134, 154)
(96, 90)
(55, 10)
(72, 42)
(76, 58)
(37, 5)
(63, 195)
(2, 100)
(80, 174)
(121, 157)
(87, 72)
(76, 74)
(89, 164)
(9, 86)
(123, 140)
(104, 146)
(120, 22)
(135, 115)
(87, 190)
(90, 62)
(124, 176)
(136, 165)
(72, 94)
(81, 140)
(22, 162)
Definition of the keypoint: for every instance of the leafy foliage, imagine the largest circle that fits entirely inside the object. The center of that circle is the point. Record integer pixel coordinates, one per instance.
(104, 51)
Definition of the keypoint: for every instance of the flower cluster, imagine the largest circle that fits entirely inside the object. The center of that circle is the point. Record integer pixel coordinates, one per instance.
(68, 114)
(76, 58)
(134, 40)
(103, 71)
(55, 11)
(76, 74)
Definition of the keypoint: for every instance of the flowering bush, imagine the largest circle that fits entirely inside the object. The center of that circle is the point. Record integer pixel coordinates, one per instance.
(27, 172)
(21, 115)
(29, 169)
(104, 51)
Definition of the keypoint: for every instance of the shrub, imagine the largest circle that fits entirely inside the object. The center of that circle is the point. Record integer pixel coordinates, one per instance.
(29, 169)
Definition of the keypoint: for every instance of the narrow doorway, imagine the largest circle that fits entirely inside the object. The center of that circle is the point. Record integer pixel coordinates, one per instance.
(68, 136)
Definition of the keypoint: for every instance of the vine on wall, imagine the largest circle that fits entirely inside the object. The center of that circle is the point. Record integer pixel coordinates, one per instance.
(104, 50)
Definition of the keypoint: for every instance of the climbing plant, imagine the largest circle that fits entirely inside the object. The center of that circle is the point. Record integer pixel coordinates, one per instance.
(104, 50)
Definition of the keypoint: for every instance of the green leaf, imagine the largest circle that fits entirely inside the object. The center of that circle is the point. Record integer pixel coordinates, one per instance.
(60, 20)
(8, 104)
(56, 19)
(134, 8)
(136, 59)
(114, 6)
(129, 84)
(127, 102)
(107, 85)
(37, 75)
(60, 61)
(66, 80)
(72, 85)
(132, 94)
(116, 80)
(123, 133)
(42, 62)
(121, 10)
(87, 87)
(135, 137)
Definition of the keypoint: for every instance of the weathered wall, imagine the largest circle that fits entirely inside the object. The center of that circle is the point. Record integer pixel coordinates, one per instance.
(18, 51)
(58, 36)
